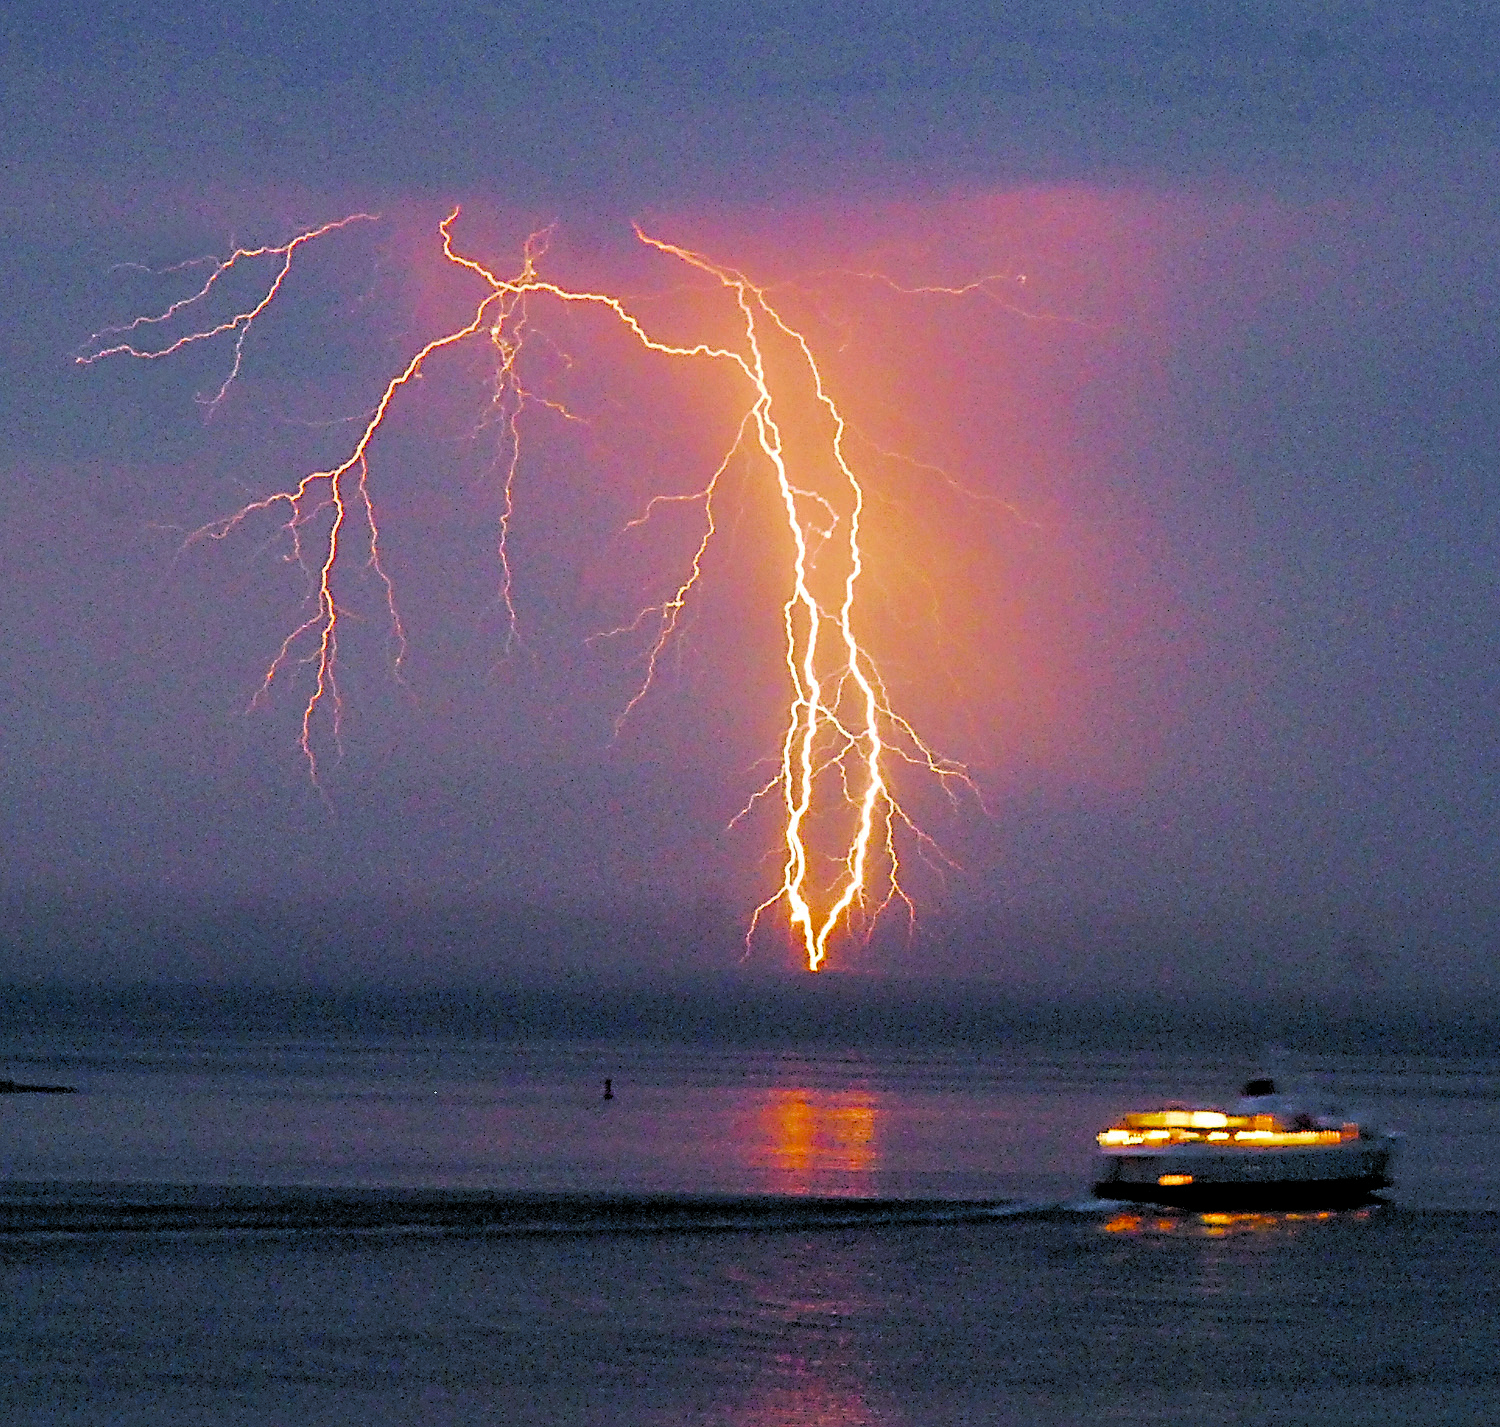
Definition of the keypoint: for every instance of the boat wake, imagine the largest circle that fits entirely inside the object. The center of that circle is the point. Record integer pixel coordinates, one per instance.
(73, 1210)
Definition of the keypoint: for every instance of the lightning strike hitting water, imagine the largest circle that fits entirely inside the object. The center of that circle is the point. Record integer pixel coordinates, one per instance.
(842, 821)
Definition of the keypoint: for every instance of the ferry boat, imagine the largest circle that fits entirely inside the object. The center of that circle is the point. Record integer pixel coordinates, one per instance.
(1265, 1153)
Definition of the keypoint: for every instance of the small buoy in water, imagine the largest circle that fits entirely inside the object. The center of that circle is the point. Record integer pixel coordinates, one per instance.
(609, 1089)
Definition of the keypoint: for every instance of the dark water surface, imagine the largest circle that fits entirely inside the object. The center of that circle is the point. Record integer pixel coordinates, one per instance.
(424, 1233)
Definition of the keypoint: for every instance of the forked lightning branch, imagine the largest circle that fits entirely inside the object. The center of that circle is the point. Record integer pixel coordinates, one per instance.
(844, 829)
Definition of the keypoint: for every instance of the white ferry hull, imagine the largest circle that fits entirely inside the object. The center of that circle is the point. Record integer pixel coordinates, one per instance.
(1199, 1176)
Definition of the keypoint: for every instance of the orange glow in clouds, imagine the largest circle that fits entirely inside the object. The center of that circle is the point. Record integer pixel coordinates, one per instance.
(844, 745)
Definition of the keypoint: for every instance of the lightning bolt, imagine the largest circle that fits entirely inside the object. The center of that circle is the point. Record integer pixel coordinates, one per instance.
(842, 823)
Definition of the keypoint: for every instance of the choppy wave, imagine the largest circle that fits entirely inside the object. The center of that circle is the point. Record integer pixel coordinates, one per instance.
(78, 1210)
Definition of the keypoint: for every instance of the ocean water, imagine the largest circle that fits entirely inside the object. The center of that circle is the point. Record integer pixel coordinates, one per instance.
(294, 1232)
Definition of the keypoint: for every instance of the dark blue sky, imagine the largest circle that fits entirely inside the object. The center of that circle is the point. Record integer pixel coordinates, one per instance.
(1297, 737)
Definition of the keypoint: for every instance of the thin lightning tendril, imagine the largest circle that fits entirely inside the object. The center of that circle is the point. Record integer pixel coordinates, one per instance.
(841, 730)
(670, 610)
(98, 346)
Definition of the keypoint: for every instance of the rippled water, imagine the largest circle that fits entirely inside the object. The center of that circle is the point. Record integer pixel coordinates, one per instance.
(668, 1255)
(681, 1120)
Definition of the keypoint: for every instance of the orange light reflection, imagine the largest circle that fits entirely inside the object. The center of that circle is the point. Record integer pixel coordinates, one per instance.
(1221, 1225)
(816, 1141)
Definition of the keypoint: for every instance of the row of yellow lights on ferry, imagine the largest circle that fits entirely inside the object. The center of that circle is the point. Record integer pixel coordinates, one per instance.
(1179, 1126)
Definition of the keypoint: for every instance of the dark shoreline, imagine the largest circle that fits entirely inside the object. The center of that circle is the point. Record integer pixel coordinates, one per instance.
(747, 1011)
